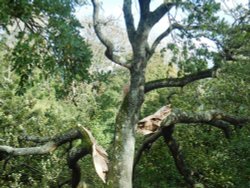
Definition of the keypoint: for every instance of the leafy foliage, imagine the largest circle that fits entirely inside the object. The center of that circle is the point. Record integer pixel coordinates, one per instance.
(47, 38)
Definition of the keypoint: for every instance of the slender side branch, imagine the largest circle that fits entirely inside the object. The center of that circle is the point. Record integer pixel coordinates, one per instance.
(179, 82)
(224, 126)
(163, 35)
(104, 40)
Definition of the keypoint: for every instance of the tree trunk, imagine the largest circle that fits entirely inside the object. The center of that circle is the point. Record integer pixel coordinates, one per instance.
(121, 170)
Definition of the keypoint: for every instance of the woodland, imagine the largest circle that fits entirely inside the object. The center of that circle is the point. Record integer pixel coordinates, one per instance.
(158, 96)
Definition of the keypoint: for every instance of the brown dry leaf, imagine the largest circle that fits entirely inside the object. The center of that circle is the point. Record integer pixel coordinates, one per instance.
(151, 123)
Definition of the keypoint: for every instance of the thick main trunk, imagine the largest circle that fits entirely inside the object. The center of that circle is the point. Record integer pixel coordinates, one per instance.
(123, 154)
(120, 175)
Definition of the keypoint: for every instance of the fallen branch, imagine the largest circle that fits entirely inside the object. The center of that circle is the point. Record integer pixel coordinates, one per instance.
(89, 146)
(174, 116)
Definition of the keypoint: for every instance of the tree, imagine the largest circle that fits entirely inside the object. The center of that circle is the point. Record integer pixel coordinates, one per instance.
(128, 115)
(192, 64)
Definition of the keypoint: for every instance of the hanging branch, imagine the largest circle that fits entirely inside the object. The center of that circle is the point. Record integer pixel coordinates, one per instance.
(178, 156)
(146, 145)
(73, 158)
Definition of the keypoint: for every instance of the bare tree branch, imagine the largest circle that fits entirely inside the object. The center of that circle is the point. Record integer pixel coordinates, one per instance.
(144, 7)
(149, 19)
(163, 35)
(179, 82)
(159, 12)
(224, 126)
(129, 20)
(110, 50)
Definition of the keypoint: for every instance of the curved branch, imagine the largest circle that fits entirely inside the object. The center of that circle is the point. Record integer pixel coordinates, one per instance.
(73, 158)
(179, 82)
(104, 40)
(163, 35)
(224, 126)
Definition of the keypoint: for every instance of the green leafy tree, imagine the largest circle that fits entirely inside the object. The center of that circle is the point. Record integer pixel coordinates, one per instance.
(198, 19)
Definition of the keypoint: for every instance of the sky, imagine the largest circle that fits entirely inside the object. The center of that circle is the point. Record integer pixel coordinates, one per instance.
(114, 8)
